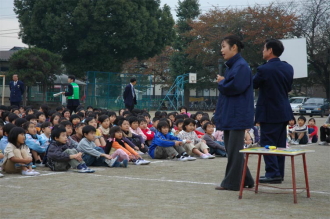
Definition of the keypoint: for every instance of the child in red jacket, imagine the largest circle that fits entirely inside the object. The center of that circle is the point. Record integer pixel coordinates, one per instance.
(144, 128)
(312, 131)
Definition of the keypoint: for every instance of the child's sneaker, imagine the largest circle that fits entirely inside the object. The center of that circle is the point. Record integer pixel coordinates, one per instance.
(124, 163)
(113, 162)
(210, 156)
(191, 158)
(1, 175)
(27, 173)
(141, 162)
(35, 172)
(296, 142)
(85, 170)
(204, 156)
(182, 158)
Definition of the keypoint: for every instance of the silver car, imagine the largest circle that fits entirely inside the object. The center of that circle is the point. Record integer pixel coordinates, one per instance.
(296, 103)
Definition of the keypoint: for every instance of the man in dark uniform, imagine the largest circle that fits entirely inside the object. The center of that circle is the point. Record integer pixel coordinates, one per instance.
(72, 94)
(16, 91)
(274, 81)
(129, 95)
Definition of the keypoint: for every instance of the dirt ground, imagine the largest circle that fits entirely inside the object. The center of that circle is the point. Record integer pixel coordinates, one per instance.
(165, 189)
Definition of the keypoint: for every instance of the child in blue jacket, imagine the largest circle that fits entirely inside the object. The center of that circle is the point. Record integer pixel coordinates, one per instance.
(165, 145)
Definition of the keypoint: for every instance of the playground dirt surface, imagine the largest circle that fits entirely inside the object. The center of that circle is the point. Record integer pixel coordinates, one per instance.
(166, 189)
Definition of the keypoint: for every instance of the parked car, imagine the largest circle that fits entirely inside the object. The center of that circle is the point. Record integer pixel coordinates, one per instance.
(315, 106)
(296, 103)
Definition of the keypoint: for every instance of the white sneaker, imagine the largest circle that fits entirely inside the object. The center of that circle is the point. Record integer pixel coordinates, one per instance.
(35, 172)
(142, 162)
(323, 143)
(204, 156)
(85, 170)
(210, 156)
(1, 175)
(27, 173)
(191, 158)
(296, 142)
(139, 152)
(309, 142)
(183, 158)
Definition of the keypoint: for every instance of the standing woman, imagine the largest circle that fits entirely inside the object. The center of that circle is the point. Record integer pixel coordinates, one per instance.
(235, 111)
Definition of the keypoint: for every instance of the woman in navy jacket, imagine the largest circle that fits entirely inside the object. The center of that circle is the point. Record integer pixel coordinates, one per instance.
(235, 111)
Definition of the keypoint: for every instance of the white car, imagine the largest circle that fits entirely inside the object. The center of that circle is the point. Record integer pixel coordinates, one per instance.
(296, 103)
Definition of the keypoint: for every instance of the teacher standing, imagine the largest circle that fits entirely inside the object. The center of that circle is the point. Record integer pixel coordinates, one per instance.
(235, 111)
(129, 95)
(16, 91)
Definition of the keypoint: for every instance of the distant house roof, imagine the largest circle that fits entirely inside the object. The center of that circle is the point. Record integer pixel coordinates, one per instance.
(15, 48)
(5, 55)
(63, 79)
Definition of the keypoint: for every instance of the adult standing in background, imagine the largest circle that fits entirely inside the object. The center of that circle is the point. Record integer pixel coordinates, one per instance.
(235, 111)
(16, 91)
(129, 95)
(72, 94)
(273, 112)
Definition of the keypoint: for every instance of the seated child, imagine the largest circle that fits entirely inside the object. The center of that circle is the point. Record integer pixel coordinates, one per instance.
(74, 119)
(134, 127)
(35, 142)
(104, 127)
(178, 127)
(325, 132)
(112, 117)
(289, 127)
(216, 147)
(203, 120)
(99, 139)
(4, 139)
(68, 127)
(61, 156)
(95, 156)
(137, 140)
(146, 131)
(184, 110)
(193, 144)
(299, 132)
(41, 118)
(312, 130)
(153, 127)
(78, 136)
(116, 141)
(165, 146)
(17, 157)
(198, 117)
(247, 139)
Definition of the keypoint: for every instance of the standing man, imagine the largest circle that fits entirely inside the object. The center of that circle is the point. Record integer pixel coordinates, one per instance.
(274, 81)
(16, 91)
(129, 95)
(72, 94)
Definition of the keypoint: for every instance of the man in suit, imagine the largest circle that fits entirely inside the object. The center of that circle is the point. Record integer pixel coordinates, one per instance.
(129, 95)
(16, 91)
(72, 94)
(274, 81)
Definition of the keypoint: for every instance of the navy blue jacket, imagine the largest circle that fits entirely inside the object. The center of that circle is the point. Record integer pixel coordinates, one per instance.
(235, 109)
(128, 97)
(274, 81)
(16, 91)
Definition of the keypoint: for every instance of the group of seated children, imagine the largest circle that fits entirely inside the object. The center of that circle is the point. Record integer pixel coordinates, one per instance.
(301, 133)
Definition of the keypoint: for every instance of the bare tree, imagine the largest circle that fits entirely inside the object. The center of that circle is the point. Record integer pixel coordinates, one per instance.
(314, 25)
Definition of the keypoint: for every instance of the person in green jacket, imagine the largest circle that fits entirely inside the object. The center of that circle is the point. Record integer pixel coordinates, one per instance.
(72, 94)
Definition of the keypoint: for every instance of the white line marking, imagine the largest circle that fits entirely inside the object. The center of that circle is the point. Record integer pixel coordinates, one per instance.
(9, 186)
(160, 161)
(189, 182)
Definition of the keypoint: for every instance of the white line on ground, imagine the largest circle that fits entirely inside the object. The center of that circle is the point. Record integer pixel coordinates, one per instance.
(189, 182)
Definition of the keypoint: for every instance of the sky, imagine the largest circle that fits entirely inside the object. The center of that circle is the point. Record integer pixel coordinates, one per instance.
(9, 26)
